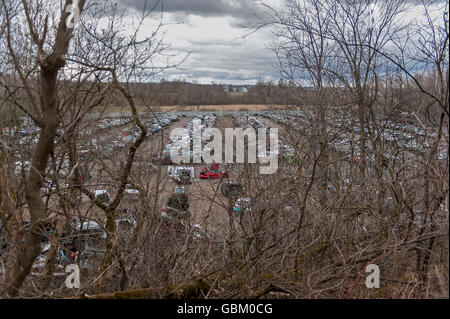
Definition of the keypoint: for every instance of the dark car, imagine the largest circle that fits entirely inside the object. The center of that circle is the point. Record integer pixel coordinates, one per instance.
(180, 191)
(231, 189)
(102, 195)
(178, 201)
(173, 212)
(184, 176)
(168, 213)
(177, 206)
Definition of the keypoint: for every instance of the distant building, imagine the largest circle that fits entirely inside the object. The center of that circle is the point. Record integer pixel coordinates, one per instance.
(235, 88)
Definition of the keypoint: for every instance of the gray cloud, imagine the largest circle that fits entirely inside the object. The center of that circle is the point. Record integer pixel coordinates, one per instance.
(232, 65)
(211, 31)
(205, 8)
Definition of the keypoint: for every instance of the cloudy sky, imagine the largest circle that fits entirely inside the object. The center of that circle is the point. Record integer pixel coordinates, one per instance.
(214, 34)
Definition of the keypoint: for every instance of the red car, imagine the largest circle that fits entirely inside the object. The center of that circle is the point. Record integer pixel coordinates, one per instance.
(212, 173)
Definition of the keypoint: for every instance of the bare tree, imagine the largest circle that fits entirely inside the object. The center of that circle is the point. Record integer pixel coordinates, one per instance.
(92, 63)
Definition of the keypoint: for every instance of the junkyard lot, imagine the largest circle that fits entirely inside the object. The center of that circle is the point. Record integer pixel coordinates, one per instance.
(208, 208)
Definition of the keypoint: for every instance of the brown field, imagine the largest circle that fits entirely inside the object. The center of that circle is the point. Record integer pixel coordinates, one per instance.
(197, 108)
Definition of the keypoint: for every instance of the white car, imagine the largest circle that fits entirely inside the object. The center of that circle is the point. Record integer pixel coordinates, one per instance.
(38, 267)
(25, 166)
(176, 172)
(102, 195)
(131, 193)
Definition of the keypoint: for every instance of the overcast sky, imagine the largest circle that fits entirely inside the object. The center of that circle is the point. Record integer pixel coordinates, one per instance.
(212, 31)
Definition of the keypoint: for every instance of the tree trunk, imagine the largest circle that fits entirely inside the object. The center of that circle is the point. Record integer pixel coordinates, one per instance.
(38, 213)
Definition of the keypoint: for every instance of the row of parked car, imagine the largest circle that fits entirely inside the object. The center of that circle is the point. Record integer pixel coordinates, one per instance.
(155, 125)
(244, 121)
(84, 245)
(400, 132)
(180, 140)
(104, 145)
(111, 122)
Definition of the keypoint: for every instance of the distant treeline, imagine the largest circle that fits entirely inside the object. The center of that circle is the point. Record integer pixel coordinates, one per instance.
(183, 93)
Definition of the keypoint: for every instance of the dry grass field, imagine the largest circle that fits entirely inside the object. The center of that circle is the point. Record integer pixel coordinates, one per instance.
(196, 108)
